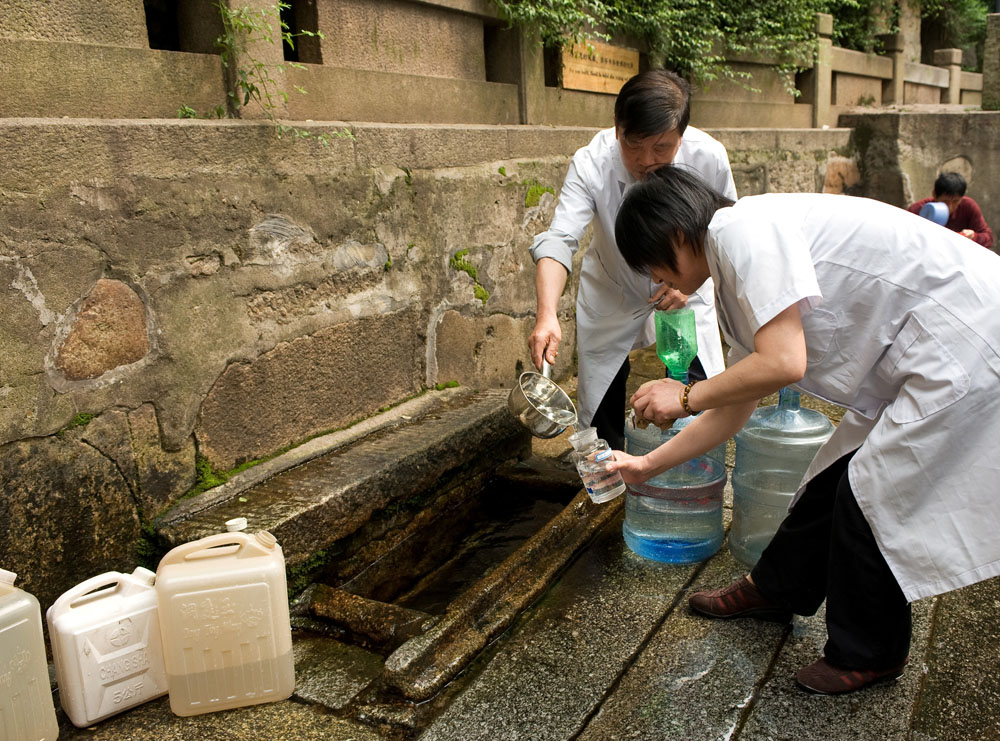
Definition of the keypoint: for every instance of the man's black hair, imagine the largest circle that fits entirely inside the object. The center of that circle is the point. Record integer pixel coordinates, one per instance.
(652, 103)
(670, 203)
(949, 184)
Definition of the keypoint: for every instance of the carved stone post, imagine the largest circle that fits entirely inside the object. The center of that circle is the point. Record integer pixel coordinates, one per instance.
(892, 90)
(991, 64)
(822, 78)
(531, 82)
(261, 58)
(952, 60)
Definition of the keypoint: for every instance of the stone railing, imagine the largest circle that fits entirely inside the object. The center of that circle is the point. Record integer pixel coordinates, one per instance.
(410, 61)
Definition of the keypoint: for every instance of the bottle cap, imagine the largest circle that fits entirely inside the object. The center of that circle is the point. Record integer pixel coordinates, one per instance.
(581, 439)
(236, 524)
(7, 577)
(144, 575)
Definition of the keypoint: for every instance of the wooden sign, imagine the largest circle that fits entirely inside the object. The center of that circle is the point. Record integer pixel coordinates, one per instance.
(598, 67)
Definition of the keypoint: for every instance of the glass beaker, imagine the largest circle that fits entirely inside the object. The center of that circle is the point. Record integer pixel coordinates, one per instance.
(676, 340)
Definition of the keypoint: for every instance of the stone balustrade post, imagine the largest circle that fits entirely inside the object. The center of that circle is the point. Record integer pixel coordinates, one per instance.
(822, 78)
(893, 90)
(951, 59)
(531, 77)
(261, 51)
(991, 64)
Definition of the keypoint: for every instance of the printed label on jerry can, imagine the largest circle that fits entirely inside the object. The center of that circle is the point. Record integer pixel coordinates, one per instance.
(105, 639)
(224, 621)
(27, 712)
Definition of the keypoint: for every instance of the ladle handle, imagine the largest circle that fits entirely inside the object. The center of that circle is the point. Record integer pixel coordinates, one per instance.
(546, 367)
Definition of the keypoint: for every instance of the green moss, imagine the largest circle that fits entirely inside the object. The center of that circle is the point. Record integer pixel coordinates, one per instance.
(147, 552)
(80, 420)
(388, 263)
(502, 170)
(446, 385)
(300, 576)
(458, 262)
(534, 191)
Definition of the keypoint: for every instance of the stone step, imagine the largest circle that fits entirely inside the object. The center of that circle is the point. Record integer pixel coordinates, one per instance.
(316, 497)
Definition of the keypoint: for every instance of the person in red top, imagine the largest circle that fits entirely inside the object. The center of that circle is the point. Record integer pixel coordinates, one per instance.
(964, 215)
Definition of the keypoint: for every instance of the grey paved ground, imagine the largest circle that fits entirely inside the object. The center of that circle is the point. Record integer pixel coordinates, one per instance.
(611, 651)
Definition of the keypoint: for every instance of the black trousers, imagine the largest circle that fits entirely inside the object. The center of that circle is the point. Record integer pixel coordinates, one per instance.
(609, 419)
(825, 549)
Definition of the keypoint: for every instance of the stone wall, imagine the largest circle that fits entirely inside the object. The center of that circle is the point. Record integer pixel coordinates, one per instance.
(184, 294)
(901, 153)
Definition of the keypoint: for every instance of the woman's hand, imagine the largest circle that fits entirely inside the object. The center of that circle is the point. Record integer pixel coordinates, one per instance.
(633, 468)
(659, 402)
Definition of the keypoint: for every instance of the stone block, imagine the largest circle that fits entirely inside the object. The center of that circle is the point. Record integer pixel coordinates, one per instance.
(402, 37)
(68, 514)
(309, 385)
(111, 23)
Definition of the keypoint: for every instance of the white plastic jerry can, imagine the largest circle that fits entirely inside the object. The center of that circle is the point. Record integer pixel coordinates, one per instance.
(105, 639)
(227, 640)
(26, 709)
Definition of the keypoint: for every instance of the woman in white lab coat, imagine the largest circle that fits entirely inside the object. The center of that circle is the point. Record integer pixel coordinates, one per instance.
(883, 313)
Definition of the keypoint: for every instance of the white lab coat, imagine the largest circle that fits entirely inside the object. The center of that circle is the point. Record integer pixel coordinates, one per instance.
(609, 290)
(902, 328)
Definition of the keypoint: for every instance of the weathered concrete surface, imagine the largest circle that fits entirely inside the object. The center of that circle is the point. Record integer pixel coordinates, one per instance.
(901, 152)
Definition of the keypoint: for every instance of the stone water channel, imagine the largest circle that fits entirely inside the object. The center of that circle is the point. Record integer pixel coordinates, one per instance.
(411, 543)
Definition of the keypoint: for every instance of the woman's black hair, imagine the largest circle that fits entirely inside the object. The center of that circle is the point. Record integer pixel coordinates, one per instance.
(652, 103)
(670, 203)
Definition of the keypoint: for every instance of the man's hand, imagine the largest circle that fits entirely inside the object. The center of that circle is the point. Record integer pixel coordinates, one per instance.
(668, 298)
(659, 401)
(545, 338)
(968, 233)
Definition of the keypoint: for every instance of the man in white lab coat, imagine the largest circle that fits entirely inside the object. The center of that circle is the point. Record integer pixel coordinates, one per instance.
(651, 117)
(876, 310)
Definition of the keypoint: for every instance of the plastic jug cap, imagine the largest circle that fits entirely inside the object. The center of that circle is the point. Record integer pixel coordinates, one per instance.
(266, 539)
(144, 575)
(7, 577)
(236, 524)
(582, 439)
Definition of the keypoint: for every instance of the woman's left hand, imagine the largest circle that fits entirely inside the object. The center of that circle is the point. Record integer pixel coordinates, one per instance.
(659, 401)
(633, 468)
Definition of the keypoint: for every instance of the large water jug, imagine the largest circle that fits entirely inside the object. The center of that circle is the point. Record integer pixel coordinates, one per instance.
(27, 712)
(773, 451)
(675, 517)
(227, 639)
(105, 639)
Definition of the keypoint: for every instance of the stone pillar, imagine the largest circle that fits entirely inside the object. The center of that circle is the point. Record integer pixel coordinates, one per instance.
(531, 81)
(892, 90)
(263, 57)
(822, 78)
(952, 60)
(991, 64)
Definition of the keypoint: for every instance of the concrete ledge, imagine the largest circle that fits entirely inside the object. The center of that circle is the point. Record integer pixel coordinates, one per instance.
(312, 506)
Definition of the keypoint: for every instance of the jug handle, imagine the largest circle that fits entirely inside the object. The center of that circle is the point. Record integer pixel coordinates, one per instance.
(210, 547)
(69, 599)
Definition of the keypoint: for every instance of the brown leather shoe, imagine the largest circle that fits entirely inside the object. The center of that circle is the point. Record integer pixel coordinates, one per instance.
(823, 678)
(739, 599)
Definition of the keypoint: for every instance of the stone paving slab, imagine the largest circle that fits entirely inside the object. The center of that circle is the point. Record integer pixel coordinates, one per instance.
(277, 720)
(554, 668)
(695, 677)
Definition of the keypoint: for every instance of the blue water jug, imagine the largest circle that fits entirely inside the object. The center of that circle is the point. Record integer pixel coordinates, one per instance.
(675, 517)
(773, 451)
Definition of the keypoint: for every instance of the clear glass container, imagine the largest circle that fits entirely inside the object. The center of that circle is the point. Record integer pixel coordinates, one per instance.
(591, 455)
(773, 451)
(676, 516)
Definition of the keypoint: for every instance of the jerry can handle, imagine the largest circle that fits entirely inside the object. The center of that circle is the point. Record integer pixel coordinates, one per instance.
(69, 599)
(221, 544)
